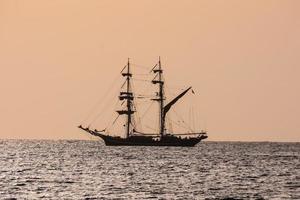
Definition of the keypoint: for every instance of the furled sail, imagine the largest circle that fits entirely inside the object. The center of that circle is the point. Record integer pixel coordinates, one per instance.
(171, 103)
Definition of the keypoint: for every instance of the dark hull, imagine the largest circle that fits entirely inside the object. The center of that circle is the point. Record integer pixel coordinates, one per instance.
(168, 140)
(148, 141)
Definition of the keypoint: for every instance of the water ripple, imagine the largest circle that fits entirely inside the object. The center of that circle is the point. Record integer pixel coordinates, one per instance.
(89, 170)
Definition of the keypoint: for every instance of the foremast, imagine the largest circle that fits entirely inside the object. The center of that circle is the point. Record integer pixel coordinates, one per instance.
(128, 96)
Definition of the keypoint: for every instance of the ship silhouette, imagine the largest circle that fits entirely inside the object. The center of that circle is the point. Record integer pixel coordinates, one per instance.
(134, 137)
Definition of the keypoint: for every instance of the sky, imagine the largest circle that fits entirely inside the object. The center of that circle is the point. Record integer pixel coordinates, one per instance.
(58, 57)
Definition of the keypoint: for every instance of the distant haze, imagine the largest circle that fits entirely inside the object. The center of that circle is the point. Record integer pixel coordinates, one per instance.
(242, 57)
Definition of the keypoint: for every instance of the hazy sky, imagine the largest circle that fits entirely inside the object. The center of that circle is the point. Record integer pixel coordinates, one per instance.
(243, 57)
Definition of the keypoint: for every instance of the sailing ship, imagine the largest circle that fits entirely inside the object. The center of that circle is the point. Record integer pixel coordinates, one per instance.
(133, 137)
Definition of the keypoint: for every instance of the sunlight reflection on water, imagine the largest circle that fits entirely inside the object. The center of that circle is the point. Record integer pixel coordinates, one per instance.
(32, 169)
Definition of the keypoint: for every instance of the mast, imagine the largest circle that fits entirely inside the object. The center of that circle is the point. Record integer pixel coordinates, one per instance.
(163, 109)
(161, 97)
(128, 96)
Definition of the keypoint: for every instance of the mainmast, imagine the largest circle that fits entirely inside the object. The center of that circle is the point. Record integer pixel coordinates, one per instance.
(163, 109)
(161, 98)
(128, 96)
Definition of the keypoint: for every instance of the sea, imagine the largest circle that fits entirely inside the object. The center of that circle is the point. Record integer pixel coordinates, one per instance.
(64, 169)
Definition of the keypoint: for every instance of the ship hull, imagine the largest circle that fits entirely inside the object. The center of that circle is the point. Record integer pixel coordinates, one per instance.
(151, 141)
(141, 140)
(132, 142)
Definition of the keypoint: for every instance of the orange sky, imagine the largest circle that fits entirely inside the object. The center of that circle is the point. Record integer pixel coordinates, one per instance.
(57, 56)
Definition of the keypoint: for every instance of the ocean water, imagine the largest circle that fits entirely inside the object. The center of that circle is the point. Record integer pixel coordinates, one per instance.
(34, 169)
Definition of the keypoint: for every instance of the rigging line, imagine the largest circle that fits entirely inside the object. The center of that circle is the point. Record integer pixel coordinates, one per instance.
(170, 124)
(111, 124)
(134, 120)
(155, 77)
(115, 120)
(193, 117)
(187, 126)
(142, 85)
(135, 106)
(140, 66)
(123, 84)
(144, 80)
(149, 95)
(150, 120)
(123, 68)
(143, 115)
(190, 112)
(203, 123)
(98, 116)
(179, 126)
(140, 74)
(145, 97)
(176, 87)
(138, 122)
(144, 101)
(147, 126)
(153, 67)
(107, 128)
(151, 128)
(197, 116)
(92, 110)
(149, 87)
(168, 93)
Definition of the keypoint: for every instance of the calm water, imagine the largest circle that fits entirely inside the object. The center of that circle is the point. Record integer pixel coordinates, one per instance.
(90, 170)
